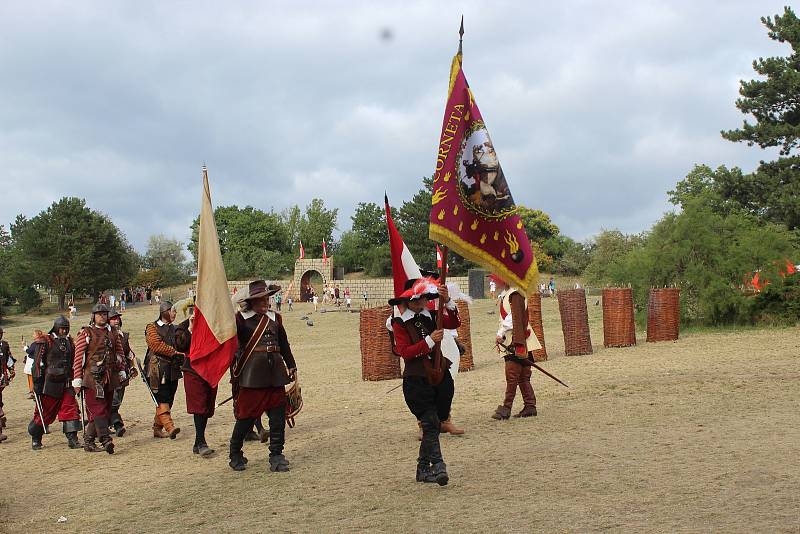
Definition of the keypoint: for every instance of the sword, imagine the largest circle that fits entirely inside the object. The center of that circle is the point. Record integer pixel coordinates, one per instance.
(41, 412)
(83, 414)
(510, 351)
(144, 378)
(218, 404)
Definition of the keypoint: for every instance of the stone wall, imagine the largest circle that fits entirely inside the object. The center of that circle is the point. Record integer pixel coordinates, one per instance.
(379, 290)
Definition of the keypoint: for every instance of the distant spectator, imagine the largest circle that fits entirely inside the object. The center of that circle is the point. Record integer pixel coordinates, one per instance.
(289, 302)
(492, 288)
(315, 300)
(552, 286)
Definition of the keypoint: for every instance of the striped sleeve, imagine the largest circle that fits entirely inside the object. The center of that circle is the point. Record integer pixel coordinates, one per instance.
(156, 344)
(81, 343)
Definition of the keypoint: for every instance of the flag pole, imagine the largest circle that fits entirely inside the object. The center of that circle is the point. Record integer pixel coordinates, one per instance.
(460, 35)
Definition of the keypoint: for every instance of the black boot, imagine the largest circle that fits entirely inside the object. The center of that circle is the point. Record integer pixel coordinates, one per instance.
(200, 446)
(277, 438)
(71, 431)
(430, 452)
(89, 436)
(36, 433)
(116, 422)
(101, 424)
(240, 429)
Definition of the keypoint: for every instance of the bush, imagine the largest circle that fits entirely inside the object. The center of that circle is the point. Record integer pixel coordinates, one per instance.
(779, 302)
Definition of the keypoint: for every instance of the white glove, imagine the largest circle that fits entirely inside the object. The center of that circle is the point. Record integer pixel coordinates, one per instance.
(77, 383)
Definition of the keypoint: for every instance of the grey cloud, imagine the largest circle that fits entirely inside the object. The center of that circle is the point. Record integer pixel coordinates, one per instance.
(596, 109)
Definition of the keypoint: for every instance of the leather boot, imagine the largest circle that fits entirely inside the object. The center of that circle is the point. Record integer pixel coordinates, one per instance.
(36, 433)
(527, 411)
(502, 412)
(165, 418)
(423, 471)
(438, 474)
(237, 459)
(90, 435)
(277, 438)
(513, 371)
(71, 431)
(116, 421)
(101, 424)
(157, 426)
(448, 427)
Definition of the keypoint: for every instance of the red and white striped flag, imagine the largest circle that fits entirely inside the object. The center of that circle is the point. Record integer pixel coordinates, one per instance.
(403, 265)
(302, 250)
(324, 252)
(214, 332)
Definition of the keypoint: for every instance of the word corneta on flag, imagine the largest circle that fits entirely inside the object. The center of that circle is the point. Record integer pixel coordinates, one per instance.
(214, 339)
(472, 210)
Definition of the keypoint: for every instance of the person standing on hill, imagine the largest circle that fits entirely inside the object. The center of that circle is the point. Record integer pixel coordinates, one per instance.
(519, 352)
(129, 367)
(98, 368)
(7, 362)
(52, 372)
(263, 366)
(163, 364)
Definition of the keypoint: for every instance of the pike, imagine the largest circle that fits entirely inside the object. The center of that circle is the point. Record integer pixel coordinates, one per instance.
(41, 412)
(510, 351)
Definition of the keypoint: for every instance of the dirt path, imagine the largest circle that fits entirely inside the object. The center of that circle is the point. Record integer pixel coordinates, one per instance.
(698, 435)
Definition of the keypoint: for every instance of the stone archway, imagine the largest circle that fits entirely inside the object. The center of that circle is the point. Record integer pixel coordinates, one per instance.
(305, 285)
(302, 273)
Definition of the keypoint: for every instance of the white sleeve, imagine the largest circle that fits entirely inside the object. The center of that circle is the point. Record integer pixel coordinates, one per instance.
(506, 325)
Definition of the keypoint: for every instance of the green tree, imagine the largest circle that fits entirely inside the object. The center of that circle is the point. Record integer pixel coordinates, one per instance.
(166, 255)
(317, 224)
(773, 191)
(69, 247)
(253, 242)
(538, 225)
(610, 248)
(366, 245)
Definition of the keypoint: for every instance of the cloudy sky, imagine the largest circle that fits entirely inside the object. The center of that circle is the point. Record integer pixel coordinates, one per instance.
(596, 109)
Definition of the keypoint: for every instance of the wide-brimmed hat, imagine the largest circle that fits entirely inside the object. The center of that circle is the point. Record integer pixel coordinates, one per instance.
(416, 288)
(259, 288)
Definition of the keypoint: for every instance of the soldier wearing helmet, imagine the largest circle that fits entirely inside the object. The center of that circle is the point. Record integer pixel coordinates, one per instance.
(98, 368)
(115, 320)
(163, 366)
(52, 372)
(7, 362)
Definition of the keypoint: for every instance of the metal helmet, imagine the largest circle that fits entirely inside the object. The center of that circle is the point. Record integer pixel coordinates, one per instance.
(165, 306)
(99, 308)
(115, 313)
(60, 322)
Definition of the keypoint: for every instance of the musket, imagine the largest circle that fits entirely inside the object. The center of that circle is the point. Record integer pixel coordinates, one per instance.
(144, 378)
(511, 352)
(41, 412)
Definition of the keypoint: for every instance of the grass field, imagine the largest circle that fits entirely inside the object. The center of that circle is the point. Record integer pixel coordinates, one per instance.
(697, 435)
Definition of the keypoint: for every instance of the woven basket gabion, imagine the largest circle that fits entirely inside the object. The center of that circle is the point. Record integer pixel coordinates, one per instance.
(465, 337)
(378, 362)
(663, 314)
(574, 321)
(535, 320)
(619, 327)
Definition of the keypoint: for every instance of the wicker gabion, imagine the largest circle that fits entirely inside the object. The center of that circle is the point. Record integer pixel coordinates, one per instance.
(619, 327)
(465, 338)
(535, 320)
(378, 362)
(663, 314)
(574, 322)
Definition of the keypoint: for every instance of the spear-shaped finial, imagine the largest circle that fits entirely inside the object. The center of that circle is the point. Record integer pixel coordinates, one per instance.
(460, 35)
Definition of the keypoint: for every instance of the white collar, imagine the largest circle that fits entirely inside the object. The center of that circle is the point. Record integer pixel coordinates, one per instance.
(160, 322)
(250, 313)
(408, 314)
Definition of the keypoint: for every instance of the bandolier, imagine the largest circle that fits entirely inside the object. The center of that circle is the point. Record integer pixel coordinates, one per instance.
(52, 373)
(7, 362)
(129, 367)
(99, 364)
(163, 364)
(263, 366)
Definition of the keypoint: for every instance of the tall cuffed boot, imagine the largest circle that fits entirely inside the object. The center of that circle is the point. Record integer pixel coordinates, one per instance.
(513, 371)
(116, 418)
(200, 446)
(71, 429)
(277, 438)
(158, 427)
(106, 442)
(429, 450)
(165, 418)
(240, 429)
(89, 436)
(36, 432)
